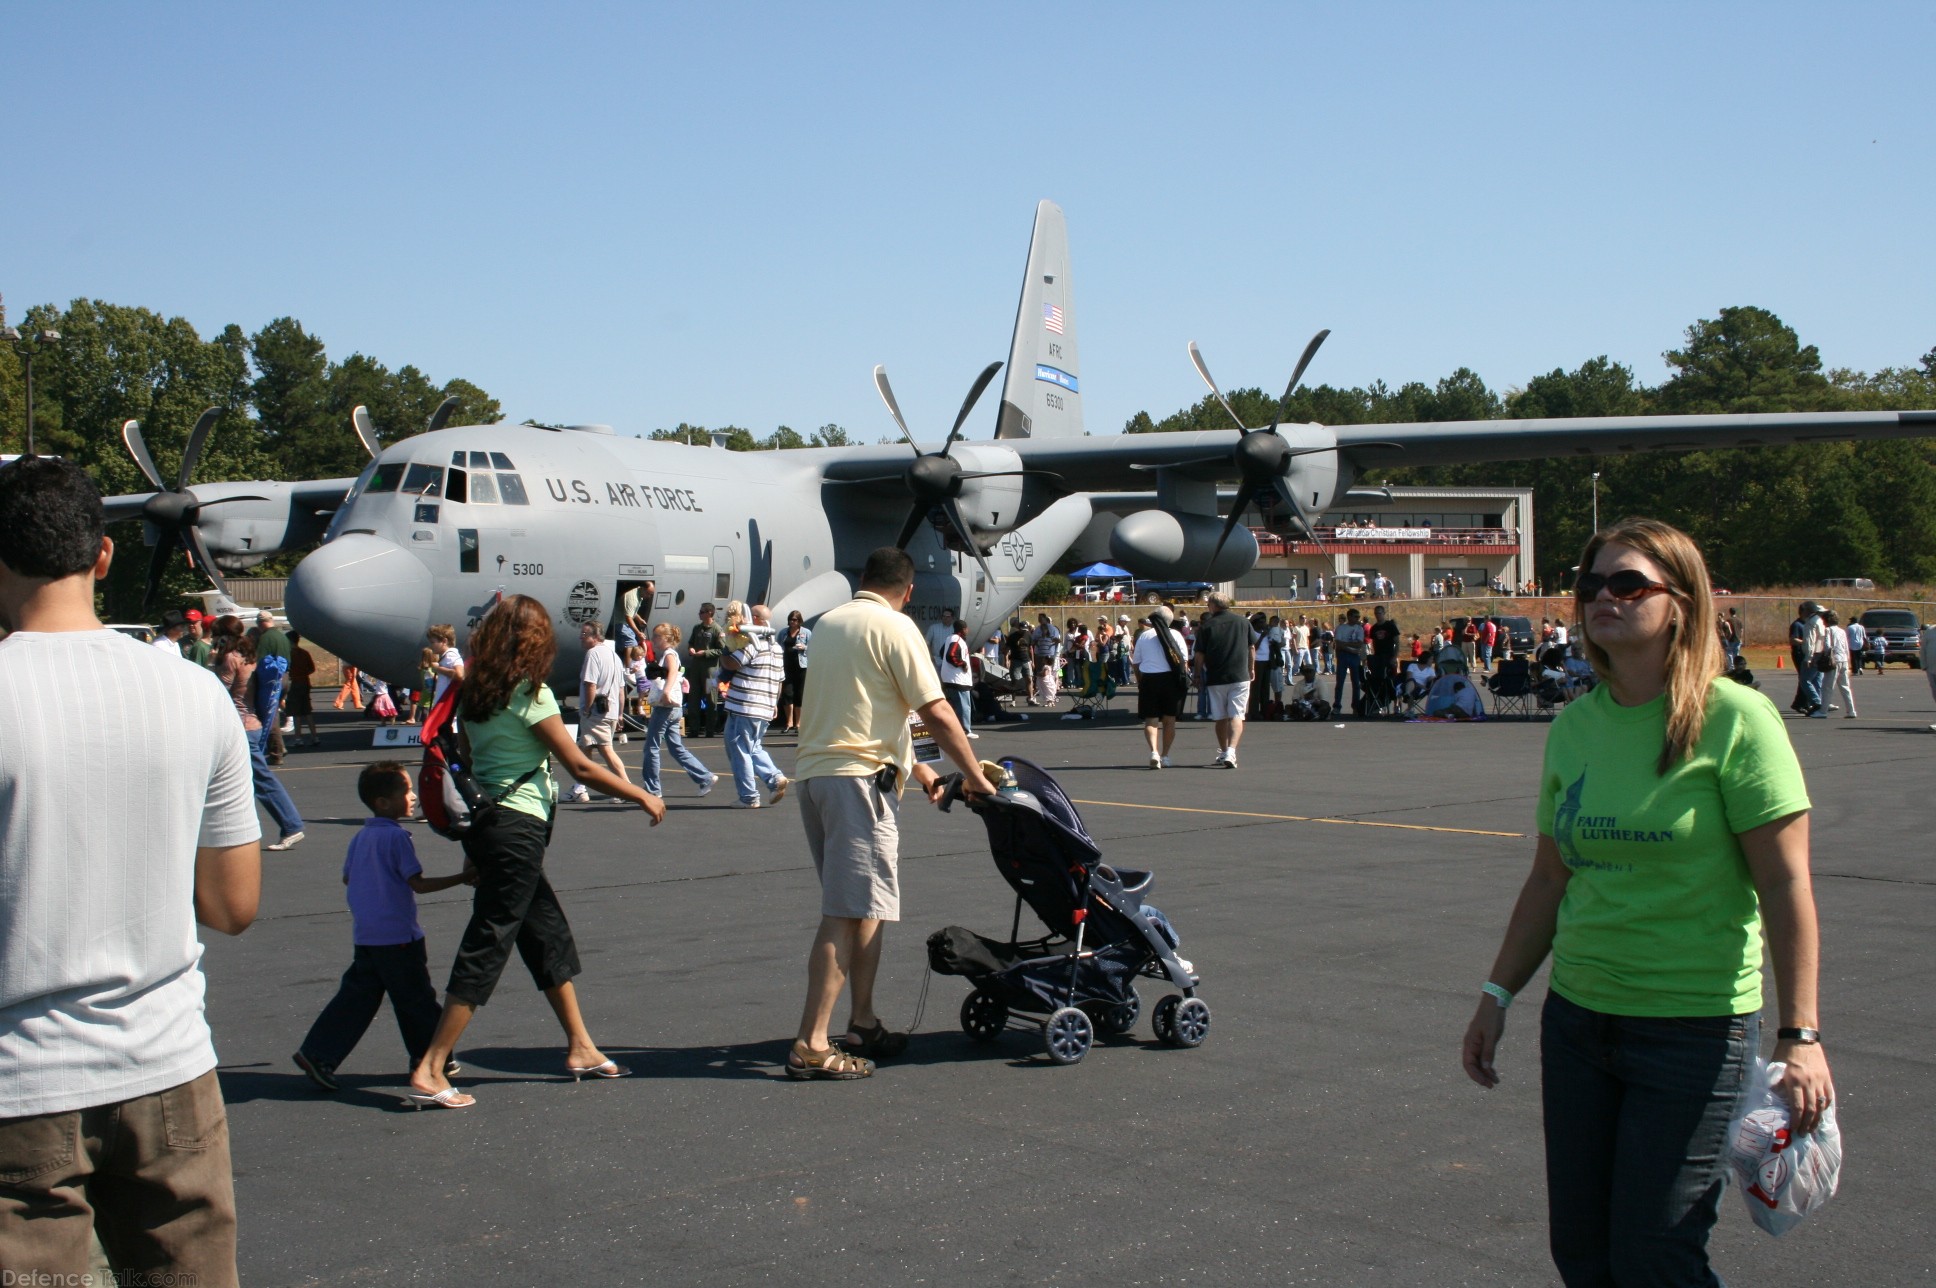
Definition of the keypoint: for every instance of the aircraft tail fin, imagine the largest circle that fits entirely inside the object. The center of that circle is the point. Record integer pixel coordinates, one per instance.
(1041, 391)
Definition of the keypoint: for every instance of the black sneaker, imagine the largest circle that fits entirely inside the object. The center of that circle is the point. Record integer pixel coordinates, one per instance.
(323, 1075)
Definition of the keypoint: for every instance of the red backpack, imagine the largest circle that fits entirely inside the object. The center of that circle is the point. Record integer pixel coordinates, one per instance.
(451, 800)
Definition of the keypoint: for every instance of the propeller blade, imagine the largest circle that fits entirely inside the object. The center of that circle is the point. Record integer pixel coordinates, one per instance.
(1299, 519)
(894, 410)
(912, 526)
(197, 439)
(158, 567)
(1297, 372)
(365, 430)
(1197, 358)
(960, 525)
(1245, 495)
(131, 435)
(968, 403)
(441, 417)
(204, 562)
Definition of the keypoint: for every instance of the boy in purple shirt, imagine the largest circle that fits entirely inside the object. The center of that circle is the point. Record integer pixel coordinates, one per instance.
(382, 872)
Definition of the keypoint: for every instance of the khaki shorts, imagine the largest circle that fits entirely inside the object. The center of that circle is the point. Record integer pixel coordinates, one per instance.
(1229, 701)
(594, 732)
(855, 838)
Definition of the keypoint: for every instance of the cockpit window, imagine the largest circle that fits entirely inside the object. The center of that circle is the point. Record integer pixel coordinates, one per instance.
(454, 489)
(480, 460)
(456, 458)
(424, 480)
(512, 487)
(349, 499)
(386, 477)
(500, 461)
(483, 489)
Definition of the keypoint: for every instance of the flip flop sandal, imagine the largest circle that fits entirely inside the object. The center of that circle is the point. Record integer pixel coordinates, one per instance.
(874, 1042)
(832, 1064)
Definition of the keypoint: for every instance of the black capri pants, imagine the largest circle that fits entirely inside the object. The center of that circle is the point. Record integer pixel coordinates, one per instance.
(513, 904)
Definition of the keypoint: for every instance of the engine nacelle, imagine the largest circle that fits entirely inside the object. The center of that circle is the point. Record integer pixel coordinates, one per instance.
(1163, 546)
(991, 506)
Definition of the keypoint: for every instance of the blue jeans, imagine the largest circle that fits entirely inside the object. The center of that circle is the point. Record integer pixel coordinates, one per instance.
(269, 791)
(1637, 1117)
(1485, 657)
(1350, 665)
(746, 753)
(962, 699)
(663, 727)
(1808, 686)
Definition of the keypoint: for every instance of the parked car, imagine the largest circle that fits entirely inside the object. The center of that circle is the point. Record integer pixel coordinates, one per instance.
(1156, 592)
(1901, 628)
(1850, 583)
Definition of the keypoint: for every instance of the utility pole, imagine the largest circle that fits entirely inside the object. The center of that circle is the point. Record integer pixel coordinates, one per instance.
(27, 346)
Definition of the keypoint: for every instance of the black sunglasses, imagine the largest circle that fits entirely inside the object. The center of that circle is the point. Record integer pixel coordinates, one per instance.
(1626, 585)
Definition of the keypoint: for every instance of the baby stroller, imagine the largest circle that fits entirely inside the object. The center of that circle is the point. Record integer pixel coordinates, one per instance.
(1080, 978)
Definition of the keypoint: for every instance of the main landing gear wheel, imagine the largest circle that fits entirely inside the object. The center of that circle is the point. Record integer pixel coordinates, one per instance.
(983, 1016)
(1116, 1019)
(1181, 1021)
(1068, 1035)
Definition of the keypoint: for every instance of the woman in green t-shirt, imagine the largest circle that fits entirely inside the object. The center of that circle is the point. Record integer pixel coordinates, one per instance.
(512, 730)
(1673, 829)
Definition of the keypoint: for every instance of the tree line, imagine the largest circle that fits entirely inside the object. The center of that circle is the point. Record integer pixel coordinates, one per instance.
(1765, 516)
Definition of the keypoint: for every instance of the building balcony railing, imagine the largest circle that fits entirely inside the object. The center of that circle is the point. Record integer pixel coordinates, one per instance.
(1271, 543)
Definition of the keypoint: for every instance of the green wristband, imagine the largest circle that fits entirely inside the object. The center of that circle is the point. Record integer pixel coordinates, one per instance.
(1497, 994)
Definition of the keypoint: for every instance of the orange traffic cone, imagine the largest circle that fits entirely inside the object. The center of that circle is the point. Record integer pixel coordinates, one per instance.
(1778, 665)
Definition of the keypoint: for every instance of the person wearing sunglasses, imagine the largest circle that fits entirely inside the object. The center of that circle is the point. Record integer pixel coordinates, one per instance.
(1673, 827)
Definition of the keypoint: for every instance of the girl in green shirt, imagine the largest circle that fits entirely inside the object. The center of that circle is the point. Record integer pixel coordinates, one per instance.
(512, 730)
(1673, 831)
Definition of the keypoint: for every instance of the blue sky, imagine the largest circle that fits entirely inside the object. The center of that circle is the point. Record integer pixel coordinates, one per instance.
(642, 214)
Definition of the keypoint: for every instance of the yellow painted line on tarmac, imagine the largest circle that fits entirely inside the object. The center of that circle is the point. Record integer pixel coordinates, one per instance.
(1301, 818)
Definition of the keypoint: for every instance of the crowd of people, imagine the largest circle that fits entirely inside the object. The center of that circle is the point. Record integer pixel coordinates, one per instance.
(1671, 803)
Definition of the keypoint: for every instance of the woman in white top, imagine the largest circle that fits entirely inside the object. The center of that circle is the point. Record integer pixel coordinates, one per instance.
(1161, 659)
(667, 695)
(1838, 652)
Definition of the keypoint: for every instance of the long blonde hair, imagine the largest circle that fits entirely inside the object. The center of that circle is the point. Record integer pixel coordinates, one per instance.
(1694, 649)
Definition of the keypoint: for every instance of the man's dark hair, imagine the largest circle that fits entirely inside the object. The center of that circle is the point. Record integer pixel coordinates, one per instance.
(384, 780)
(888, 568)
(51, 522)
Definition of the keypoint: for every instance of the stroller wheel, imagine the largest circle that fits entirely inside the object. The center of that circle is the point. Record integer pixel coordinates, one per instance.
(1068, 1034)
(1181, 1021)
(983, 1016)
(1119, 1018)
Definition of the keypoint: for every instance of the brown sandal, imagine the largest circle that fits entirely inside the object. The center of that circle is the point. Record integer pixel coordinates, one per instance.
(833, 1063)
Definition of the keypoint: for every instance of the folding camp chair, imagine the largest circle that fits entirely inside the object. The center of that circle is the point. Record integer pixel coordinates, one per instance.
(1512, 688)
(1094, 698)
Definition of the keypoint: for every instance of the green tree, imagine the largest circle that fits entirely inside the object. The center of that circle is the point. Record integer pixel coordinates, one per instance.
(292, 403)
(831, 435)
(1746, 360)
(782, 439)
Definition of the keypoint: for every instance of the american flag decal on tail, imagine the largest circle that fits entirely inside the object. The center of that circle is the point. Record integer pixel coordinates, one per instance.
(1052, 318)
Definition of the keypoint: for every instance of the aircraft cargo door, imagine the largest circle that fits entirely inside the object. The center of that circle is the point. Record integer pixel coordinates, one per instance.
(722, 577)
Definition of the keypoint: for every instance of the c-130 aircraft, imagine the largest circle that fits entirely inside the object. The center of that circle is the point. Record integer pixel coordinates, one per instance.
(442, 524)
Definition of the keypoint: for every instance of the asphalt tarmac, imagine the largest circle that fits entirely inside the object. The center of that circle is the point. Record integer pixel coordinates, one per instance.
(1342, 895)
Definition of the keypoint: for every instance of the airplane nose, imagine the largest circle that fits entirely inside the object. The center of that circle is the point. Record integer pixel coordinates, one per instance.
(365, 599)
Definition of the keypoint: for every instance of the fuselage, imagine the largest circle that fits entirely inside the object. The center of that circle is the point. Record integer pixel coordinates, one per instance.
(442, 525)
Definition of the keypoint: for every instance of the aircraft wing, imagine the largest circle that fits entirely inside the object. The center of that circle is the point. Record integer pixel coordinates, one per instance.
(1123, 463)
(1453, 442)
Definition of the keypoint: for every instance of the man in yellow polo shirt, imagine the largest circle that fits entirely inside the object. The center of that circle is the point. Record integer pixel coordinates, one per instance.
(871, 669)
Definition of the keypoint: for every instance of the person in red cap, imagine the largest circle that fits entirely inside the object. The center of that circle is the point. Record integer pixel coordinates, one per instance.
(195, 646)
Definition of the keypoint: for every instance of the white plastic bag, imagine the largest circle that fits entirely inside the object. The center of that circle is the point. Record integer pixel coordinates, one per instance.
(1783, 1178)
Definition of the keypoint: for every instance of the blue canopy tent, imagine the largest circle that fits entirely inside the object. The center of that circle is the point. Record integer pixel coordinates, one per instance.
(1100, 572)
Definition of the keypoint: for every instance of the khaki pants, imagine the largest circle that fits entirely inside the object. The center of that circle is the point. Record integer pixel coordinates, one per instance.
(149, 1175)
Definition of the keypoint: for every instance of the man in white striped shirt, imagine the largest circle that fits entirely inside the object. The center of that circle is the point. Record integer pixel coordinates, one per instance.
(126, 816)
(753, 675)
